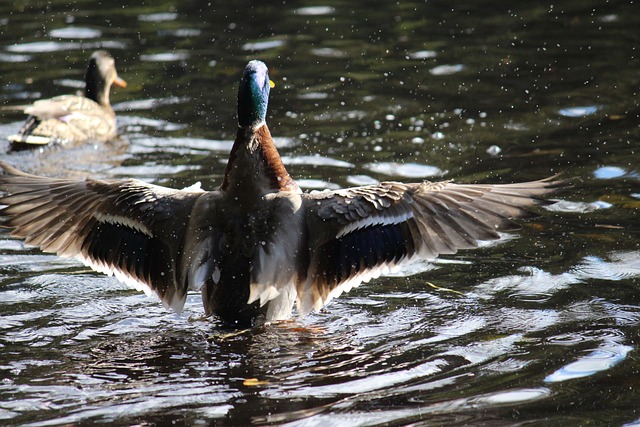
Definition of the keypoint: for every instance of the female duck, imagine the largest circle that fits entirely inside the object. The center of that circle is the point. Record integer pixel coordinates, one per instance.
(256, 245)
(74, 118)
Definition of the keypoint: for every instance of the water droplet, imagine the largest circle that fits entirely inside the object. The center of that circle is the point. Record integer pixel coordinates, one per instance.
(494, 150)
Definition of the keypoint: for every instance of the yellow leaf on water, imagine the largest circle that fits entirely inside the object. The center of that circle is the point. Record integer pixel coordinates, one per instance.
(252, 382)
(439, 288)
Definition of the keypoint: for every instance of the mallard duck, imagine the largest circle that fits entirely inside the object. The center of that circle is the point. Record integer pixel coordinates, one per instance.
(74, 118)
(257, 245)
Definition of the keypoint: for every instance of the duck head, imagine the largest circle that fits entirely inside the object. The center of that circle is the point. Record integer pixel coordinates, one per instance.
(101, 74)
(254, 165)
(253, 95)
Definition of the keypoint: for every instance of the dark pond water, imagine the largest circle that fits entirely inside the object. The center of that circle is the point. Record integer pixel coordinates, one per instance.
(539, 329)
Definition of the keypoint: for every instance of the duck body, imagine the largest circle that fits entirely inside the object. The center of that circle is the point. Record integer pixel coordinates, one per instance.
(257, 245)
(246, 237)
(74, 118)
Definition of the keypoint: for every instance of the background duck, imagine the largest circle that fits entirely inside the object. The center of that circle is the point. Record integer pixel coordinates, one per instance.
(258, 244)
(74, 118)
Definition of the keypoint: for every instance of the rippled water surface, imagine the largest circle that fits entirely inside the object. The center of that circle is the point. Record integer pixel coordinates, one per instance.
(540, 328)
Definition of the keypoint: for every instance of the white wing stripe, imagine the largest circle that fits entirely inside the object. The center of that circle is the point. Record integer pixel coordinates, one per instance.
(375, 220)
(122, 220)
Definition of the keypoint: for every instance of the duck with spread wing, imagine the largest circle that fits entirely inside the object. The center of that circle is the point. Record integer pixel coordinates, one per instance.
(257, 245)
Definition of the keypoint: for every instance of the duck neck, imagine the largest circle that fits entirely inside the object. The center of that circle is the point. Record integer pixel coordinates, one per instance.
(255, 165)
(95, 87)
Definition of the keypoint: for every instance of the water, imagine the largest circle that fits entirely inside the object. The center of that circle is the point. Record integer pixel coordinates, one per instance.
(539, 329)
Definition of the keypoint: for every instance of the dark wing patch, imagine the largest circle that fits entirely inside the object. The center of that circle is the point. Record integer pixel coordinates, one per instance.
(363, 249)
(119, 247)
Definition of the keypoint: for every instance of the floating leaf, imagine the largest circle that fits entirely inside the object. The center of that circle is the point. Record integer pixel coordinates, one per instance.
(439, 288)
(252, 382)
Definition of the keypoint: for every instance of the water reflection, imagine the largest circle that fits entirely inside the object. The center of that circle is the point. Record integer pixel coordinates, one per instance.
(57, 46)
(72, 162)
(594, 362)
(336, 361)
(75, 33)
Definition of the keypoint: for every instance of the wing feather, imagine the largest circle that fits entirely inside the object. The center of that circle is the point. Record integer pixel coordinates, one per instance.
(359, 233)
(127, 228)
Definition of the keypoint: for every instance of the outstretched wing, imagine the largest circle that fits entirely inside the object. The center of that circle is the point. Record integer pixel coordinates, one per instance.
(359, 233)
(128, 228)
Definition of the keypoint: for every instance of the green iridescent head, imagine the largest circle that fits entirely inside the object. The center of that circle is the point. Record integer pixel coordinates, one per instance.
(253, 94)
